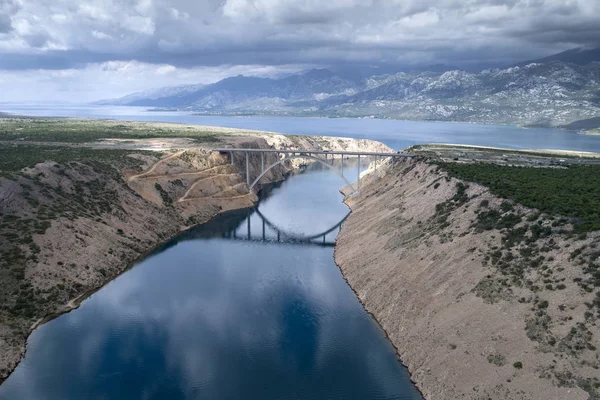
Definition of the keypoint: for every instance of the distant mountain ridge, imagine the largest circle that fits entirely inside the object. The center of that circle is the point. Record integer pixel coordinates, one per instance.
(553, 92)
(577, 56)
(153, 94)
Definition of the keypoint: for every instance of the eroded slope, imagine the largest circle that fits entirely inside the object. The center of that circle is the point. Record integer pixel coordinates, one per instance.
(482, 297)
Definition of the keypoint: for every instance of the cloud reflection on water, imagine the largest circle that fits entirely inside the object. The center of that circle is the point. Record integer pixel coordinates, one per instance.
(214, 318)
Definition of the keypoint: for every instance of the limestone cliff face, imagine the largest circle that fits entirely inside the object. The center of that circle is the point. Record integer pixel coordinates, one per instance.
(417, 259)
(67, 228)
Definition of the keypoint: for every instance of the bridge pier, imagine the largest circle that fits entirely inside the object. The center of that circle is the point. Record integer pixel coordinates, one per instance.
(358, 174)
(247, 170)
(376, 159)
(249, 231)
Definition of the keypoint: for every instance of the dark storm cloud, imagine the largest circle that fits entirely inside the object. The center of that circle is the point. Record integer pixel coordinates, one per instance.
(185, 33)
(87, 50)
(8, 8)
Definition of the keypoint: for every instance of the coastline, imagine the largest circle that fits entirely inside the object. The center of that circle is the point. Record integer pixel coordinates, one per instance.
(333, 117)
(365, 117)
(376, 320)
(572, 153)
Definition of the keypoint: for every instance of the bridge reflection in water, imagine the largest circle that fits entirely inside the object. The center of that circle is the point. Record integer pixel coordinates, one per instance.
(252, 225)
(270, 232)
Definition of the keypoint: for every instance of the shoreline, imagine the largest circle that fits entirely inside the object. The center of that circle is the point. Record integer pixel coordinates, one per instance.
(9, 114)
(362, 303)
(377, 322)
(76, 302)
(427, 285)
(572, 153)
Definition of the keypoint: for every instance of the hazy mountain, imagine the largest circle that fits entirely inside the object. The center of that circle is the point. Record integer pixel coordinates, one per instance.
(577, 56)
(313, 85)
(584, 124)
(151, 95)
(551, 93)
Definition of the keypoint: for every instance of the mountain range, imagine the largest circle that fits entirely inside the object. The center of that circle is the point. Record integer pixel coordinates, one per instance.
(554, 91)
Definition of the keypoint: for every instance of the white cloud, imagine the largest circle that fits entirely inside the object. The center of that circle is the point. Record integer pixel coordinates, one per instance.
(100, 35)
(143, 25)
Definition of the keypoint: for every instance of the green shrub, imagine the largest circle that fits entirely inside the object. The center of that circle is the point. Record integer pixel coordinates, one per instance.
(518, 365)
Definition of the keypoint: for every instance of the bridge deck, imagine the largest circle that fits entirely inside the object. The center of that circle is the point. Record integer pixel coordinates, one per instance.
(348, 153)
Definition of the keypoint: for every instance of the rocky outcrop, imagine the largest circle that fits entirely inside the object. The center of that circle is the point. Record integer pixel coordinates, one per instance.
(415, 253)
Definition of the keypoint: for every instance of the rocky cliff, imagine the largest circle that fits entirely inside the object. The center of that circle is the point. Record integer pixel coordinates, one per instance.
(483, 298)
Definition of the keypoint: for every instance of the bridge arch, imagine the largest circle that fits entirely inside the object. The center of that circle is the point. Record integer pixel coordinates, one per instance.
(297, 237)
(292, 157)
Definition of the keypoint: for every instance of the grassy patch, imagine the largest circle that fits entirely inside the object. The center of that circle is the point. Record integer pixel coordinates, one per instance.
(496, 359)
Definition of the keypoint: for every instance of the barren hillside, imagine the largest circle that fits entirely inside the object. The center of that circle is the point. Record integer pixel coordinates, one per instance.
(483, 298)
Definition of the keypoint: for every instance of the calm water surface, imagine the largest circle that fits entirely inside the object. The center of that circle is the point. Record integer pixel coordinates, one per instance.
(396, 134)
(221, 313)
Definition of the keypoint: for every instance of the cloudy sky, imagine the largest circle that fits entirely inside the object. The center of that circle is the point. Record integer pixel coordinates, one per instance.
(82, 50)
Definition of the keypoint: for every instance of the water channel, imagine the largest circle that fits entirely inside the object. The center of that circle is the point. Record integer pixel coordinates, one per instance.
(248, 306)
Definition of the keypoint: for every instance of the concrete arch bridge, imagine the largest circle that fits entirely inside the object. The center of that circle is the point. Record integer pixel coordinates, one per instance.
(322, 157)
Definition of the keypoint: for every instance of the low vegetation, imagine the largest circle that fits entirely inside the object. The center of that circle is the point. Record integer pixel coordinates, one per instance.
(70, 130)
(13, 158)
(56, 191)
(572, 191)
(543, 227)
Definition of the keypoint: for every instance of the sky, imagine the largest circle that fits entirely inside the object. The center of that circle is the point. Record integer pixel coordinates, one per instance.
(78, 50)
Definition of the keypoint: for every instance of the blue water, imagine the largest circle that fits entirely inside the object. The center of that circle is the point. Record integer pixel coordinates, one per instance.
(221, 313)
(396, 134)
